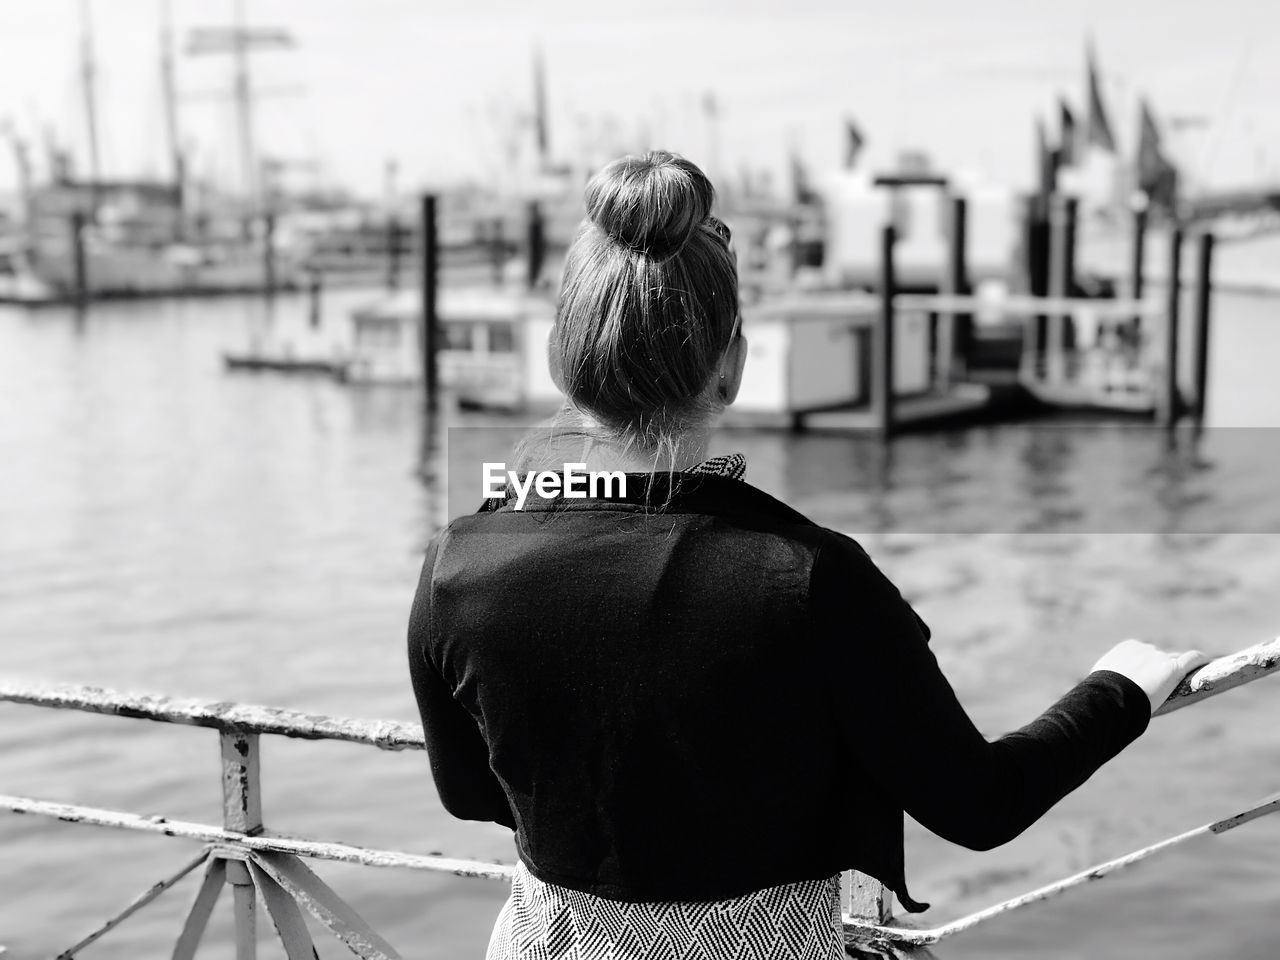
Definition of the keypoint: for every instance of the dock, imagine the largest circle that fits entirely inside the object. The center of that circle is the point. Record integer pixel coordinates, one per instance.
(891, 360)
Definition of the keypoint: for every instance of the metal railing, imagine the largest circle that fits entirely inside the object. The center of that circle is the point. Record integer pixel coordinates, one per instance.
(258, 865)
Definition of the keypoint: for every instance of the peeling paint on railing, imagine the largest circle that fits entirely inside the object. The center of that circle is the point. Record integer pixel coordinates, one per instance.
(1224, 674)
(218, 715)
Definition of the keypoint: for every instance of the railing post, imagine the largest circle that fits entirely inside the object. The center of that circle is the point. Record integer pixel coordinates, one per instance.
(242, 812)
(246, 909)
(869, 899)
(241, 789)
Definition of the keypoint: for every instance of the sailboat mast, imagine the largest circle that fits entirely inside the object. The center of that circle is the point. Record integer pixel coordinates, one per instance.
(239, 41)
(169, 94)
(88, 79)
(244, 106)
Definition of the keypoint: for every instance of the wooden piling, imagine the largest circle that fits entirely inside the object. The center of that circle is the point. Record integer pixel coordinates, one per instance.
(1062, 238)
(794, 252)
(393, 251)
(269, 254)
(1071, 213)
(1035, 266)
(955, 330)
(882, 342)
(537, 245)
(1200, 345)
(313, 299)
(80, 262)
(1138, 267)
(430, 254)
(497, 250)
(1170, 403)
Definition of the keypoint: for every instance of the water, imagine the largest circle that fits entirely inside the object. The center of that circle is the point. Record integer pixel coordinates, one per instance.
(168, 526)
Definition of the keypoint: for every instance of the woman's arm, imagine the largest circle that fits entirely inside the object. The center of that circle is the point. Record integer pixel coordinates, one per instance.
(954, 782)
(458, 753)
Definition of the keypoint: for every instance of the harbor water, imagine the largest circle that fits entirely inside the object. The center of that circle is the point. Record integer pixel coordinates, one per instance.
(170, 526)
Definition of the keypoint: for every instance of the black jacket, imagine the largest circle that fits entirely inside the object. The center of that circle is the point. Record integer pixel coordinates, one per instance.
(695, 692)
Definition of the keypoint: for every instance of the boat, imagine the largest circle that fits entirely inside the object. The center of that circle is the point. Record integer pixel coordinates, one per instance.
(135, 241)
(289, 351)
(492, 353)
(282, 363)
(89, 236)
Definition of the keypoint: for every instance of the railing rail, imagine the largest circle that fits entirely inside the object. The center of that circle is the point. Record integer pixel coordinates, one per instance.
(267, 866)
(219, 715)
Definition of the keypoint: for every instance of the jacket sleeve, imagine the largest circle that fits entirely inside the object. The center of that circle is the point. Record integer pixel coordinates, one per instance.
(932, 759)
(458, 753)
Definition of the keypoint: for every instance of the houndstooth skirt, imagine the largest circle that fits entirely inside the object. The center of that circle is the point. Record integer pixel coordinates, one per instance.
(794, 921)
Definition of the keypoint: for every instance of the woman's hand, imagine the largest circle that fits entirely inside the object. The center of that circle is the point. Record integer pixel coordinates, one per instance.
(1156, 671)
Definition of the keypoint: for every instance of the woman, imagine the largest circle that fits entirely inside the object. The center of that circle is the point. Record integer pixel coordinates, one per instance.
(694, 706)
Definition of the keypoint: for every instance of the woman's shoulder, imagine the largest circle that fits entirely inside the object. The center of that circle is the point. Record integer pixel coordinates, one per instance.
(845, 577)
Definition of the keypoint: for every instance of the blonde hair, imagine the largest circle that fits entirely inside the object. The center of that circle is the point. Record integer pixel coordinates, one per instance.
(648, 304)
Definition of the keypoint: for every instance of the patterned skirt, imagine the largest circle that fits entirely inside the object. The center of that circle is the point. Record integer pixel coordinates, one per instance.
(794, 921)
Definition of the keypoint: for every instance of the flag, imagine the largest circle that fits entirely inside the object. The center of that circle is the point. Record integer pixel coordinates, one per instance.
(541, 134)
(855, 142)
(1157, 177)
(1097, 128)
(1067, 134)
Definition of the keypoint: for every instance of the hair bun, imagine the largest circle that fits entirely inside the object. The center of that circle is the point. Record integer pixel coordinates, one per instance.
(652, 203)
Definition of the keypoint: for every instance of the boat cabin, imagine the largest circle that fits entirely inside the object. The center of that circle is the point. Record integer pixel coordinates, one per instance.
(489, 341)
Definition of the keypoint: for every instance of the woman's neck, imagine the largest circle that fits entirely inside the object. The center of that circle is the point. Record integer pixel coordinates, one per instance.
(599, 452)
(689, 450)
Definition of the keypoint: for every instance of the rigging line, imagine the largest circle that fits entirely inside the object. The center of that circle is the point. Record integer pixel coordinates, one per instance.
(1232, 94)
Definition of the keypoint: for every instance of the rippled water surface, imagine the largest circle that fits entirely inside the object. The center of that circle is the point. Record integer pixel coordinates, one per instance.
(168, 526)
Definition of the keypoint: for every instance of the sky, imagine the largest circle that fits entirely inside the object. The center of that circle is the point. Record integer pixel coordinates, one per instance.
(439, 88)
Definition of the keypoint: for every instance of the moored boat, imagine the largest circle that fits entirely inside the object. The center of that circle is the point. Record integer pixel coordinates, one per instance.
(492, 351)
